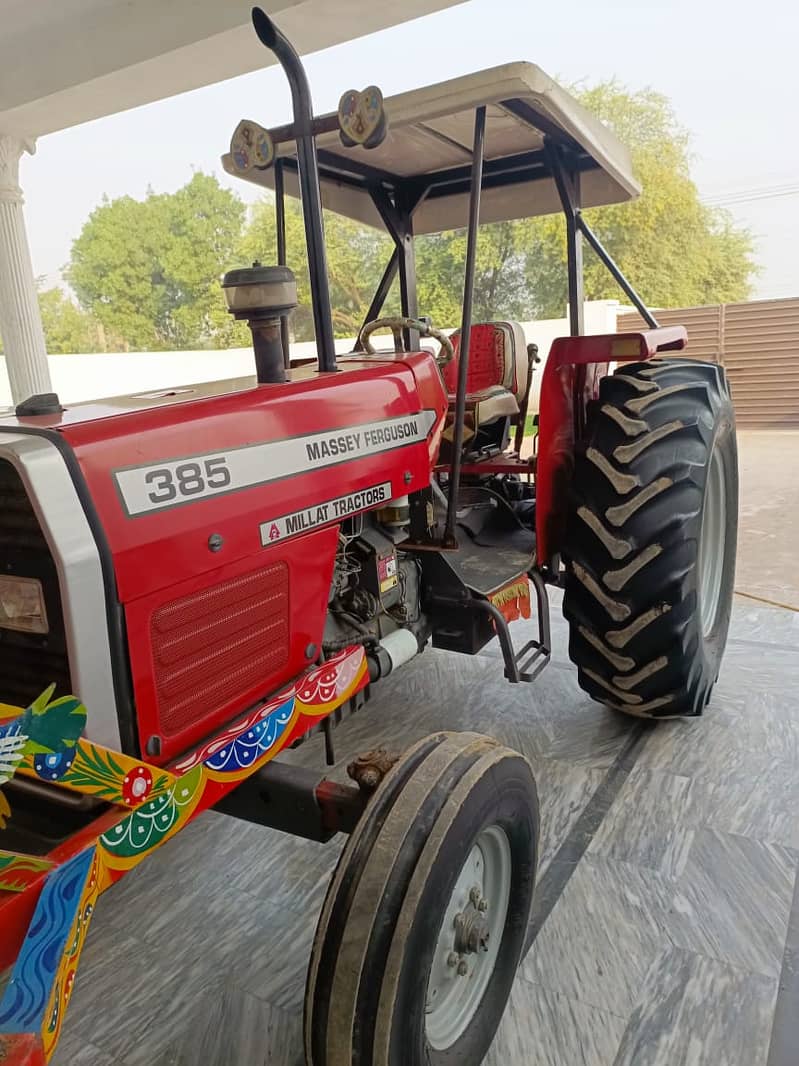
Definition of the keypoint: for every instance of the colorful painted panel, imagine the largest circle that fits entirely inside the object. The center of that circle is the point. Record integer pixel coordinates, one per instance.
(144, 829)
(5, 810)
(162, 801)
(26, 997)
(96, 771)
(46, 731)
(64, 979)
(44, 741)
(19, 871)
(314, 695)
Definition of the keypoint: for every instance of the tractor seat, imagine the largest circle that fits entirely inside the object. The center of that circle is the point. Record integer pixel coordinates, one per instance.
(498, 369)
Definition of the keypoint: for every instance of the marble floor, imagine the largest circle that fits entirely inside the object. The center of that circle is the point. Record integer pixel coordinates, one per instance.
(667, 913)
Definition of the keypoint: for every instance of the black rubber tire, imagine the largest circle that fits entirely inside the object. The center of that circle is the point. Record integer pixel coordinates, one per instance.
(632, 546)
(373, 951)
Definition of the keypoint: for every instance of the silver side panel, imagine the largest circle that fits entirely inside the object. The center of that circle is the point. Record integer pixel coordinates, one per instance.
(60, 513)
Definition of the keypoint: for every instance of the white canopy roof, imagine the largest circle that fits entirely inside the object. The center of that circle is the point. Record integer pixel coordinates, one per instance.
(430, 134)
(67, 61)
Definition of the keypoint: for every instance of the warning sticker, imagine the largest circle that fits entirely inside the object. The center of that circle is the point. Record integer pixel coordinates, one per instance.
(320, 514)
(387, 572)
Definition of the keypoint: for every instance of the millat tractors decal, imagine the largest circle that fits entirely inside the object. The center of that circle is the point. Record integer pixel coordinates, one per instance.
(153, 487)
(320, 514)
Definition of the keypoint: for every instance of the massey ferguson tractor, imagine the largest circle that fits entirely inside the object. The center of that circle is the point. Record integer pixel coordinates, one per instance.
(192, 581)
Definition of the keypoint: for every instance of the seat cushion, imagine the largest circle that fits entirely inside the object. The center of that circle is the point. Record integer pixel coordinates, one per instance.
(497, 357)
(491, 404)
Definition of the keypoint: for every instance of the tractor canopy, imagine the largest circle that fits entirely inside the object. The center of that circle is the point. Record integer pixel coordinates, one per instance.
(426, 155)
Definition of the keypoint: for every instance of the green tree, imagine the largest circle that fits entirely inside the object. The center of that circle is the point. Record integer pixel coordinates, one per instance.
(149, 269)
(67, 327)
(356, 257)
(676, 251)
(500, 289)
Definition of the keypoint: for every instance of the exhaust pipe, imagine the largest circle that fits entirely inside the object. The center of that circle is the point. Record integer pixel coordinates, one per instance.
(271, 37)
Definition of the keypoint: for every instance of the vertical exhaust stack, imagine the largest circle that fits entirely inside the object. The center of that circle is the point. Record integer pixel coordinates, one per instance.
(270, 36)
(263, 296)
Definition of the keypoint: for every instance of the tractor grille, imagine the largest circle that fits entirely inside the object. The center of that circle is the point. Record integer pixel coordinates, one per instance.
(212, 647)
(29, 662)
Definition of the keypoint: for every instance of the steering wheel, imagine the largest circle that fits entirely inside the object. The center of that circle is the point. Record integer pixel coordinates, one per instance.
(397, 325)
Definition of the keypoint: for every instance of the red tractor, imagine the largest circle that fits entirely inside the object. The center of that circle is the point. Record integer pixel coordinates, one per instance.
(220, 570)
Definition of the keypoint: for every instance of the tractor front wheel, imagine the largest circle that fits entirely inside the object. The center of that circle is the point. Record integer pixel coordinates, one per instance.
(650, 552)
(426, 915)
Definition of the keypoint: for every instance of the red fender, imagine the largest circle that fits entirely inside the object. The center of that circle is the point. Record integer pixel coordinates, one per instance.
(571, 378)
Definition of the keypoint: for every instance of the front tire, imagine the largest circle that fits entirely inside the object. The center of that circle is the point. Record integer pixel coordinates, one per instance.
(429, 904)
(650, 551)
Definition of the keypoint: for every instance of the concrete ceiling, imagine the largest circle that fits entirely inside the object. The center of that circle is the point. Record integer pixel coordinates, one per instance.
(66, 62)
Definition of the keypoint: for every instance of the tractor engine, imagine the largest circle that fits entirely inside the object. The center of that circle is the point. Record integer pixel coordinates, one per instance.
(376, 591)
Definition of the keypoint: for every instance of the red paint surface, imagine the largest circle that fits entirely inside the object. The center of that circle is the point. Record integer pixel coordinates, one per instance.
(162, 557)
(21, 1049)
(154, 551)
(310, 565)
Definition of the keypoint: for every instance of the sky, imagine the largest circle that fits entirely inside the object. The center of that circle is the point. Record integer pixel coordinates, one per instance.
(731, 70)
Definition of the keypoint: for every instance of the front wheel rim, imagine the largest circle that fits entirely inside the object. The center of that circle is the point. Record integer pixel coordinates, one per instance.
(469, 940)
(712, 543)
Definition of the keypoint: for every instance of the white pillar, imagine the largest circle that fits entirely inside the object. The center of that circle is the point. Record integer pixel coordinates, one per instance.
(20, 321)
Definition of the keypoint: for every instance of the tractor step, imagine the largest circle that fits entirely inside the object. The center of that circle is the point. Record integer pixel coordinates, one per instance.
(466, 623)
(528, 662)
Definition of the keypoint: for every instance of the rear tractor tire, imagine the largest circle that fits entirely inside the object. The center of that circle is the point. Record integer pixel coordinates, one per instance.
(650, 548)
(427, 913)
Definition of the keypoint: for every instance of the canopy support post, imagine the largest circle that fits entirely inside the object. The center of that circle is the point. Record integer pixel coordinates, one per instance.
(381, 293)
(397, 217)
(407, 268)
(567, 181)
(449, 539)
(613, 267)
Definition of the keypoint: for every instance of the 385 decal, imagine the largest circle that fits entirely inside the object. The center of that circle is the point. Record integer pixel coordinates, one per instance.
(187, 479)
(151, 487)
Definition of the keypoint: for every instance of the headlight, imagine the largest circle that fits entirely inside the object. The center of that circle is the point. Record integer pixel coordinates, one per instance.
(22, 605)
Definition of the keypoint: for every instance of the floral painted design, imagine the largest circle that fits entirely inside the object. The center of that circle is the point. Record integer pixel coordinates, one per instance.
(319, 686)
(115, 777)
(151, 823)
(52, 767)
(137, 785)
(248, 747)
